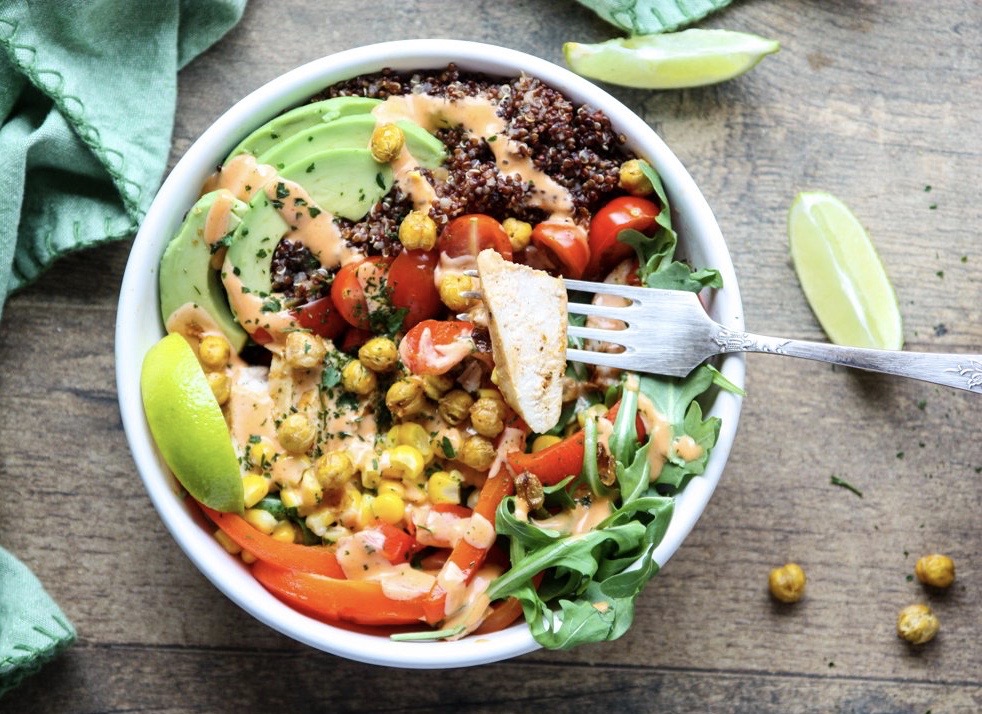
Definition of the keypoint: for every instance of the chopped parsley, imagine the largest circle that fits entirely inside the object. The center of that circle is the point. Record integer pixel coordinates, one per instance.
(836, 481)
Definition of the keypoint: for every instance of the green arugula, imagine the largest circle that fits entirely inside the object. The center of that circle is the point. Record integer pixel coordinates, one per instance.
(594, 578)
(657, 266)
(647, 17)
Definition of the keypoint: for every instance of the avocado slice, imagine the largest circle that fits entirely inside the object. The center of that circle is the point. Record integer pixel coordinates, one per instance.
(352, 132)
(300, 118)
(345, 182)
(187, 276)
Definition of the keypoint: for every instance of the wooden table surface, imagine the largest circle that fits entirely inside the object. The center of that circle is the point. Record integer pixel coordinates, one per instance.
(877, 102)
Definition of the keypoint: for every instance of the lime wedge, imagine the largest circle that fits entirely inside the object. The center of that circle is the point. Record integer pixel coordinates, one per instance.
(841, 274)
(670, 61)
(188, 426)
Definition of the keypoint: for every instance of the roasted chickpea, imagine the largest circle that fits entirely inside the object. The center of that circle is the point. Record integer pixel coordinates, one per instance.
(296, 433)
(917, 624)
(386, 143)
(379, 354)
(454, 405)
(417, 231)
(787, 583)
(935, 570)
(357, 378)
(213, 352)
(436, 385)
(221, 385)
(333, 470)
(452, 287)
(519, 233)
(487, 416)
(632, 179)
(477, 452)
(304, 350)
(406, 398)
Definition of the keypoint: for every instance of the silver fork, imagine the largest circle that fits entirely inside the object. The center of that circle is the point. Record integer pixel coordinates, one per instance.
(668, 332)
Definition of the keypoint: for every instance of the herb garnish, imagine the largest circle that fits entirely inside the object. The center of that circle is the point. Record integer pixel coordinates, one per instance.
(836, 481)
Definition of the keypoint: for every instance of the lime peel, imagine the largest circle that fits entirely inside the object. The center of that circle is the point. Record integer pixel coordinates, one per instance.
(675, 60)
(841, 274)
(188, 426)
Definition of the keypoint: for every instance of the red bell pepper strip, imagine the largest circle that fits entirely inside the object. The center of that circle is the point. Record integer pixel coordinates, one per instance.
(466, 557)
(360, 601)
(305, 558)
(398, 545)
(553, 464)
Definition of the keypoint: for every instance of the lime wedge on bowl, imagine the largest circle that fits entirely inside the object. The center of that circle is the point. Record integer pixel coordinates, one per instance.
(692, 58)
(841, 274)
(187, 425)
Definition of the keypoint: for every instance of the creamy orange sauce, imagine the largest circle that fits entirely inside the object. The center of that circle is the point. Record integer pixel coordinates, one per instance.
(437, 529)
(480, 532)
(241, 175)
(248, 310)
(314, 229)
(360, 557)
(659, 435)
(476, 602)
(194, 322)
(686, 448)
(580, 519)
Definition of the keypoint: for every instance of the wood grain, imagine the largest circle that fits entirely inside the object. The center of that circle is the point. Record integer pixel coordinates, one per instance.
(880, 103)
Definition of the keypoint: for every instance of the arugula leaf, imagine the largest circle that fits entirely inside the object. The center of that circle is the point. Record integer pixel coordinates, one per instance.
(646, 17)
(657, 267)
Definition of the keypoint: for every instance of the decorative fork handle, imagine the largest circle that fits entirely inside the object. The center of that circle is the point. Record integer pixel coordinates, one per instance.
(952, 370)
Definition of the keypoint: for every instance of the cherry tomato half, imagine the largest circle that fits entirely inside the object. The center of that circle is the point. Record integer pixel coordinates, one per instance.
(566, 243)
(411, 279)
(472, 233)
(348, 292)
(623, 212)
(321, 317)
(435, 346)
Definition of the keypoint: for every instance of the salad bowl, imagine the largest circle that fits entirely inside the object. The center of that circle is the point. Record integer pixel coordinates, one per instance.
(139, 327)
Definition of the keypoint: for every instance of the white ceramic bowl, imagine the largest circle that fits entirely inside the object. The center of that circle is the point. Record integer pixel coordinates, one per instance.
(138, 326)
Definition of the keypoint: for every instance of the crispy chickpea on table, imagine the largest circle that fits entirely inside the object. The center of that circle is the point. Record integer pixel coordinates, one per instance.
(787, 583)
(935, 570)
(917, 624)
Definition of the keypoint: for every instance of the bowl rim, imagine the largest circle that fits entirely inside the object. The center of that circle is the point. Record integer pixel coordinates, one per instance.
(139, 298)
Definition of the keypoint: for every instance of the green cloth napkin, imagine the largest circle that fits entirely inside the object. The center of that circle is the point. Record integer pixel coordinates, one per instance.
(32, 628)
(88, 90)
(87, 96)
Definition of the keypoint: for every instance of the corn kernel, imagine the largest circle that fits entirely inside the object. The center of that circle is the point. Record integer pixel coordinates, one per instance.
(262, 521)
(371, 473)
(388, 485)
(386, 143)
(291, 497)
(247, 557)
(389, 507)
(254, 489)
(261, 455)
(285, 532)
(544, 441)
(227, 543)
(519, 233)
(311, 492)
(414, 435)
(404, 462)
(213, 352)
(322, 519)
(417, 231)
(444, 487)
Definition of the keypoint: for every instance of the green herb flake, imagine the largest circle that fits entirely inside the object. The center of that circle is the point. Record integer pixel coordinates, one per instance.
(310, 169)
(281, 190)
(836, 481)
(380, 180)
(314, 211)
(922, 404)
(447, 447)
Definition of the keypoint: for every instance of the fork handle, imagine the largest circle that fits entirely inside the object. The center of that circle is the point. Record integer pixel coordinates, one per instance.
(952, 370)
